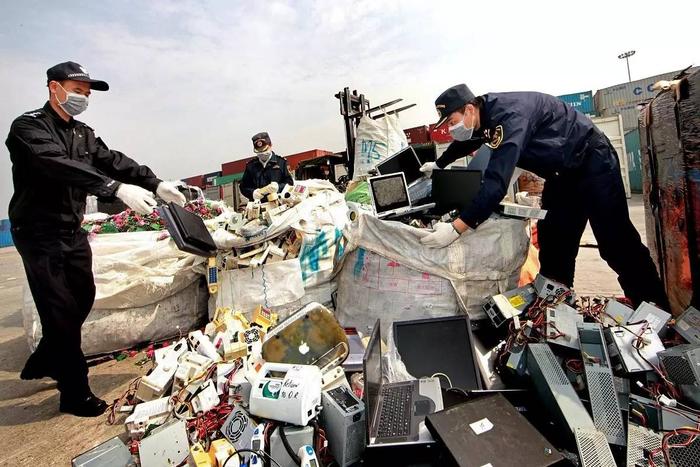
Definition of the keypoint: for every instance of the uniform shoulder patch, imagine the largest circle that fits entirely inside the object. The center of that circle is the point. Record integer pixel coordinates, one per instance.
(496, 137)
(33, 114)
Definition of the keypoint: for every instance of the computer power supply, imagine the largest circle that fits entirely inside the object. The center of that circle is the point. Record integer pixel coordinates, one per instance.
(343, 416)
(502, 307)
(682, 365)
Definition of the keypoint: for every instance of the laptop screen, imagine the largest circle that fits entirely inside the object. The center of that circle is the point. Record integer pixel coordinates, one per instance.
(438, 345)
(389, 192)
(373, 373)
(405, 161)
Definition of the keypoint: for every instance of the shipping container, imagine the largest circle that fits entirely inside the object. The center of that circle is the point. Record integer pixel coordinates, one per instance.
(625, 98)
(210, 177)
(5, 233)
(213, 193)
(581, 101)
(234, 167)
(196, 180)
(612, 127)
(634, 160)
(294, 159)
(417, 135)
(441, 135)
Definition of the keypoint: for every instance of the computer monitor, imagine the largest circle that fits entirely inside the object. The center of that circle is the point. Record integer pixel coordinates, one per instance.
(372, 367)
(188, 230)
(439, 345)
(455, 188)
(389, 192)
(405, 161)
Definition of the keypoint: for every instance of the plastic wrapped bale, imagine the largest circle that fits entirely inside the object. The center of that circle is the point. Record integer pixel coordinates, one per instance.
(108, 330)
(394, 276)
(371, 286)
(146, 288)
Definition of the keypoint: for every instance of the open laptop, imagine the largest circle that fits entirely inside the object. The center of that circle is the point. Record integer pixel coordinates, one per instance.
(439, 345)
(188, 230)
(395, 411)
(455, 188)
(391, 198)
(405, 161)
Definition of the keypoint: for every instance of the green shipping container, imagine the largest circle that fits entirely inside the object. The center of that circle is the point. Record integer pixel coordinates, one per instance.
(634, 159)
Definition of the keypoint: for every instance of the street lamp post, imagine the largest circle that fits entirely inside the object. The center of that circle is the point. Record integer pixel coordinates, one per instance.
(626, 56)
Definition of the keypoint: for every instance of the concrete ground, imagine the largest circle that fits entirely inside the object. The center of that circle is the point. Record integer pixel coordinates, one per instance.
(33, 432)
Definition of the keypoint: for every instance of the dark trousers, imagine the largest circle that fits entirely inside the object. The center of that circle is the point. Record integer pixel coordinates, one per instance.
(595, 192)
(59, 271)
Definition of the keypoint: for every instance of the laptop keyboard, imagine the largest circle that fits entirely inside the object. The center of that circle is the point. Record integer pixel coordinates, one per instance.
(395, 415)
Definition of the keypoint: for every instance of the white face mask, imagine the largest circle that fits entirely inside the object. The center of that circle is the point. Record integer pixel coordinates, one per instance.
(460, 132)
(75, 104)
(264, 156)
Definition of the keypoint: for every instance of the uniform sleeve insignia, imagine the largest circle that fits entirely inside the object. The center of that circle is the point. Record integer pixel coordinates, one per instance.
(496, 137)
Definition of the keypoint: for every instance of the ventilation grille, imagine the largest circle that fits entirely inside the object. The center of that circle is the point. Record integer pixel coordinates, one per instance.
(640, 439)
(606, 410)
(593, 448)
(549, 366)
(678, 369)
(688, 456)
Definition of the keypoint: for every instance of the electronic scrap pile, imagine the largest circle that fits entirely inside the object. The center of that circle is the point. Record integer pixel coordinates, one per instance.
(241, 392)
(255, 221)
(623, 384)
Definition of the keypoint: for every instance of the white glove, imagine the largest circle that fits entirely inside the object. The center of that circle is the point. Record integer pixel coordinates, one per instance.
(428, 168)
(258, 194)
(444, 234)
(136, 198)
(168, 192)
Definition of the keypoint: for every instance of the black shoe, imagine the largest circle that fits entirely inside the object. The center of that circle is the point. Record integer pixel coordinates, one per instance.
(91, 406)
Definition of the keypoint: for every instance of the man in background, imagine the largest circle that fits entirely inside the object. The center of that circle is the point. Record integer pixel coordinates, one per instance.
(265, 168)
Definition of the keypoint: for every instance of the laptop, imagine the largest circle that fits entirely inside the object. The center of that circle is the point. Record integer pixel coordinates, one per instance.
(188, 230)
(390, 196)
(490, 431)
(395, 411)
(455, 188)
(405, 161)
(439, 345)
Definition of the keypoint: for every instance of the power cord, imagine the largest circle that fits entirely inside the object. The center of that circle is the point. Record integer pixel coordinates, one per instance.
(293, 455)
(252, 451)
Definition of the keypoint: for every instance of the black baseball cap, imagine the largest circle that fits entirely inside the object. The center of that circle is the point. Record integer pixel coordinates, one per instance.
(261, 141)
(76, 72)
(452, 99)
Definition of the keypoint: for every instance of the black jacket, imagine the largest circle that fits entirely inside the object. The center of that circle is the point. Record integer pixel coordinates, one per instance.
(256, 176)
(530, 130)
(55, 164)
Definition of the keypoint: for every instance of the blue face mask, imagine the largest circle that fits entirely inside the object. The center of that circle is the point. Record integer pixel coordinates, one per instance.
(460, 132)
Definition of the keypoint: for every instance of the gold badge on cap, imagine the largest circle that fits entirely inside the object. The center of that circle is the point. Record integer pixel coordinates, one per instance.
(496, 137)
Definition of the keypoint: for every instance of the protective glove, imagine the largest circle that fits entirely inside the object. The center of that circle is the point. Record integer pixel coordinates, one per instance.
(136, 198)
(168, 192)
(428, 168)
(258, 195)
(443, 234)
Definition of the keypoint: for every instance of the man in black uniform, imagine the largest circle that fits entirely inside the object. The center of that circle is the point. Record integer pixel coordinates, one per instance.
(56, 162)
(266, 168)
(539, 133)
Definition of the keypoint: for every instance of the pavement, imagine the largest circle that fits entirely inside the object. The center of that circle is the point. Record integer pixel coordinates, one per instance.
(33, 432)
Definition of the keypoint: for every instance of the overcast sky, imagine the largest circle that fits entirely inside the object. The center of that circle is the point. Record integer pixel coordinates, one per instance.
(192, 81)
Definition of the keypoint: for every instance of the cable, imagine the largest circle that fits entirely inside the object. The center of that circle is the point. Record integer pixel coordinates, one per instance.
(449, 381)
(238, 451)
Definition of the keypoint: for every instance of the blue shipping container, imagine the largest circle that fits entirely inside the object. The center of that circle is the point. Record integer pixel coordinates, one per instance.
(581, 101)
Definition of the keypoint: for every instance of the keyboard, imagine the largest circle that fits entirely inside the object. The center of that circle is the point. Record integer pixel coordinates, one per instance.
(395, 415)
